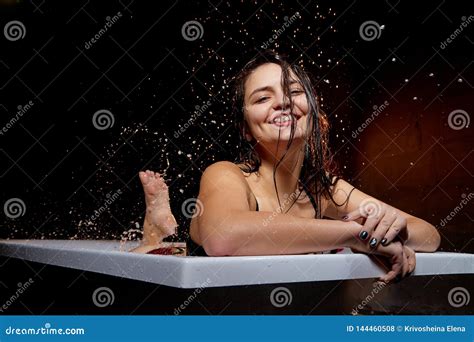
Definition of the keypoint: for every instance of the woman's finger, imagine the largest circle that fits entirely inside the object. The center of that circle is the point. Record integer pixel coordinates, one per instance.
(369, 228)
(372, 213)
(398, 225)
(383, 227)
(393, 273)
(395, 253)
(405, 267)
(411, 260)
(353, 215)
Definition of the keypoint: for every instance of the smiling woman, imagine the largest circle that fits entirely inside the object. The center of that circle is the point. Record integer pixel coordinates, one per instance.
(284, 154)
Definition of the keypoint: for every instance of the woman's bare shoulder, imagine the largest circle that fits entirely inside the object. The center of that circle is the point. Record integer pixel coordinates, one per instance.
(223, 166)
(224, 173)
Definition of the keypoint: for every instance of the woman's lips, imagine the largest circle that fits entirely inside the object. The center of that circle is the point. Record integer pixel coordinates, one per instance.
(282, 124)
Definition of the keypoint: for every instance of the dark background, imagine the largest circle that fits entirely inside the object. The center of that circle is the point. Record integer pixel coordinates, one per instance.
(151, 79)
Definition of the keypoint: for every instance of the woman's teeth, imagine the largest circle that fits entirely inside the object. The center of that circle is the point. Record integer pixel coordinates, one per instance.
(283, 118)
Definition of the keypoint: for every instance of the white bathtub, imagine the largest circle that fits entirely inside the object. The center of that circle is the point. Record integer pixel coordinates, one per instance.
(342, 280)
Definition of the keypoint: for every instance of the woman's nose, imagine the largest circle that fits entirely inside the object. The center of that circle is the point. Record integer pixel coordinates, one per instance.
(281, 103)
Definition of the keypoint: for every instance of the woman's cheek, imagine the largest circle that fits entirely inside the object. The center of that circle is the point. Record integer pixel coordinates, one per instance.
(302, 104)
(261, 113)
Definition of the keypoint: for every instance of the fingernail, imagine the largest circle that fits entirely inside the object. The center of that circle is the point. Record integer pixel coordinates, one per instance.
(383, 242)
(345, 217)
(373, 242)
(363, 235)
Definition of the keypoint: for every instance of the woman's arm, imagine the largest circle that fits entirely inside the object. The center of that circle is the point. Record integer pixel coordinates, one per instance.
(228, 226)
(420, 235)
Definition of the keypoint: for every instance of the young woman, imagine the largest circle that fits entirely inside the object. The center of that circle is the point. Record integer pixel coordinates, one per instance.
(280, 196)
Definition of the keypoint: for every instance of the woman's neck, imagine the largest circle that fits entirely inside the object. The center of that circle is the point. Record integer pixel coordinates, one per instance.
(288, 171)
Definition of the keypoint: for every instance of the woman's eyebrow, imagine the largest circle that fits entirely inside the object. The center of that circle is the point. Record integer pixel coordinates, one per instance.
(260, 89)
(297, 82)
(265, 88)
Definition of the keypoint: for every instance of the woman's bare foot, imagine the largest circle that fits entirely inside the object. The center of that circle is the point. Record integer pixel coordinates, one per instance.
(159, 220)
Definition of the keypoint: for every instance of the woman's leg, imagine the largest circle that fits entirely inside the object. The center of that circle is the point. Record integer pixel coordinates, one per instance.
(159, 220)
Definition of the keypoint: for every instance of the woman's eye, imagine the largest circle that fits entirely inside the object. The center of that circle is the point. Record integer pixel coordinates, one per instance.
(261, 99)
(296, 91)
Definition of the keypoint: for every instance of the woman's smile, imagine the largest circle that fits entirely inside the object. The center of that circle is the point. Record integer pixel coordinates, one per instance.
(283, 120)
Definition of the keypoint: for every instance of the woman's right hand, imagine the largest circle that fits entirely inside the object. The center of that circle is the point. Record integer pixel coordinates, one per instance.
(401, 258)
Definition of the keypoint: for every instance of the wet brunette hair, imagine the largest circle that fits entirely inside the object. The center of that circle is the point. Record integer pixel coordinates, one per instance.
(317, 169)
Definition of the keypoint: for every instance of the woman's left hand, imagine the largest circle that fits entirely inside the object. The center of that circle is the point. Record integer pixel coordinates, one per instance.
(383, 223)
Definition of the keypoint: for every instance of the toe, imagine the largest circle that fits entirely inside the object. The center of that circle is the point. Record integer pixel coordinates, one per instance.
(144, 178)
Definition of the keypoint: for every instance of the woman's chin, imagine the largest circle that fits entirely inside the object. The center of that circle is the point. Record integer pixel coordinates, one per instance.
(283, 140)
(285, 135)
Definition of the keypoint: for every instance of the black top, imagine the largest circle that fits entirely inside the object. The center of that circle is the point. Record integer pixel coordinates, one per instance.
(195, 250)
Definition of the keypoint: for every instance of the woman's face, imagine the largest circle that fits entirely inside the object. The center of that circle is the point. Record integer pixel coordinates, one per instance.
(267, 109)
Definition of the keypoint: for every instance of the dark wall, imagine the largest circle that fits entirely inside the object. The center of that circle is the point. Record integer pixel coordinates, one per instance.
(153, 81)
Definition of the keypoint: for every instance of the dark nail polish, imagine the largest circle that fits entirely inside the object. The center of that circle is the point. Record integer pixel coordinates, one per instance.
(384, 242)
(363, 235)
(373, 242)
